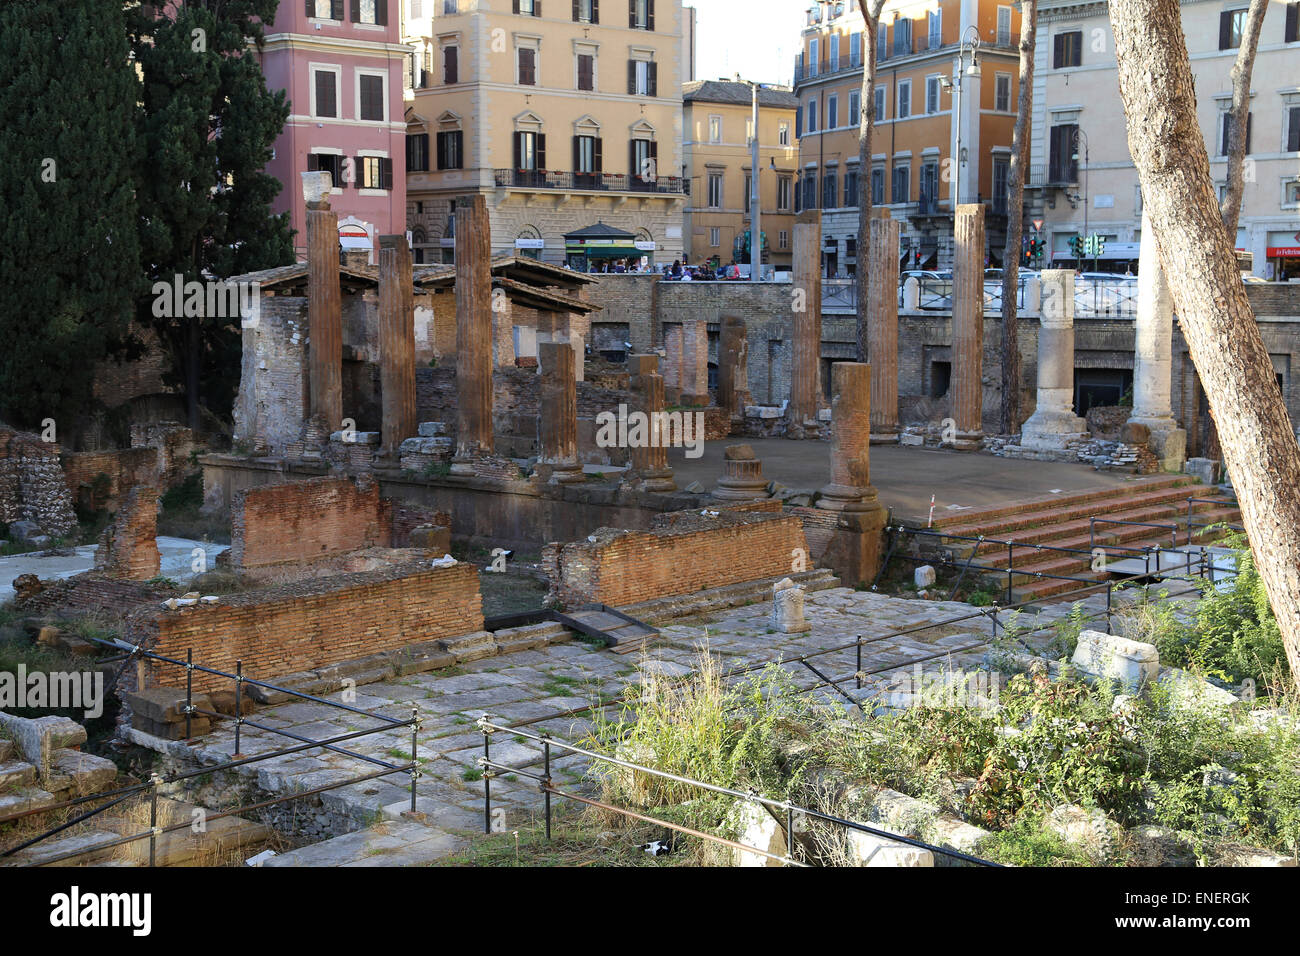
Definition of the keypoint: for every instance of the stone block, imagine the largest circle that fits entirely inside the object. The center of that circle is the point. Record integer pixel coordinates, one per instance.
(82, 773)
(755, 827)
(924, 576)
(1134, 433)
(37, 738)
(433, 429)
(1132, 663)
(865, 849)
(1205, 470)
(165, 704)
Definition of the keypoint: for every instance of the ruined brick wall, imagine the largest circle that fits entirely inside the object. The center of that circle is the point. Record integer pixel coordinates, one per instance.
(92, 591)
(683, 553)
(117, 384)
(272, 399)
(306, 520)
(99, 479)
(32, 484)
(407, 517)
(128, 548)
(300, 627)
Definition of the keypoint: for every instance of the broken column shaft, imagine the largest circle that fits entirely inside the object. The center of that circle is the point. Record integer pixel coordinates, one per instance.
(968, 327)
(324, 317)
(473, 334)
(558, 422)
(882, 328)
(396, 344)
(805, 371)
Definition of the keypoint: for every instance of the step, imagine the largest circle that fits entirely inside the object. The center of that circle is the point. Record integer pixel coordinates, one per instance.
(15, 774)
(6, 749)
(42, 853)
(23, 799)
(983, 516)
(404, 843)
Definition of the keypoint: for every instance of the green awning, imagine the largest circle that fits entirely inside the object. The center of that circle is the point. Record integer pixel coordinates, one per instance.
(605, 252)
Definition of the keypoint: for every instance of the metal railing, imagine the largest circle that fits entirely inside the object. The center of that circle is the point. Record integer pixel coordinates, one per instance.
(587, 182)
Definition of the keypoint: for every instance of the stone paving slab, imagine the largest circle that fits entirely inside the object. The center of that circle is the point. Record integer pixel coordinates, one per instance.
(405, 843)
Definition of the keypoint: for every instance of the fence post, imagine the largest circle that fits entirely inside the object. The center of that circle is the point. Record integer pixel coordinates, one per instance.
(487, 776)
(239, 704)
(858, 674)
(546, 751)
(415, 769)
(789, 832)
(1110, 586)
(154, 780)
(1010, 573)
(189, 689)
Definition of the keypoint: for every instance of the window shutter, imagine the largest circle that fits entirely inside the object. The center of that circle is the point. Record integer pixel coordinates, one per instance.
(516, 6)
(577, 165)
(519, 150)
(631, 159)
(1293, 130)
(631, 13)
(1058, 51)
(458, 141)
(537, 8)
(1225, 29)
(597, 159)
(311, 8)
(313, 163)
(451, 65)
(595, 11)
(631, 77)
(652, 70)
(575, 11)
(336, 9)
(356, 11)
(381, 18)
(1249, 122)
(649, 14)
(1292, 22)
(386, 174)
(541, 150)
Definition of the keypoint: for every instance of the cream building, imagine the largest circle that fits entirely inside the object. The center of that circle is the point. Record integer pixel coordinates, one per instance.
(718, 130)
(1082, 178)
(564, 114)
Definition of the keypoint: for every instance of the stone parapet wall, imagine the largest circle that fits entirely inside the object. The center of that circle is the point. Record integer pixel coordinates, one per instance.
(307, 520)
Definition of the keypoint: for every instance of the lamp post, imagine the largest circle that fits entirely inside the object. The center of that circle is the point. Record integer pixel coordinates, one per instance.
(970, 41)
(1080, 137)
(755, 213)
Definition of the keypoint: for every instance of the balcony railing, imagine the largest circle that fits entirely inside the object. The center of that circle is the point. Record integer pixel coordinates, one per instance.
(1093, 298)
(587, 182)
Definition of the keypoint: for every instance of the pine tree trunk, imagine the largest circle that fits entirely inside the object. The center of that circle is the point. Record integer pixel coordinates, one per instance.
(1242, 69)
(866, 126)
(1259, 444)
(1010, 418)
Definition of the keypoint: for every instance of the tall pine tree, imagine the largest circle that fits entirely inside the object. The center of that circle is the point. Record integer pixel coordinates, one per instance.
(207, 126)
(69, 260)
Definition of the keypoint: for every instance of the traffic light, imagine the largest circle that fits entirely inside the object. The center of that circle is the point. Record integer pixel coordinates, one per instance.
(1077, 247)
(917, 258)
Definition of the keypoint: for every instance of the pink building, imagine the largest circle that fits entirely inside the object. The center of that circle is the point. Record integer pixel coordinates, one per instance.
(341, 65)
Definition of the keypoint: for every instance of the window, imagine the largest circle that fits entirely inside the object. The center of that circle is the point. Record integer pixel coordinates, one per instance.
(1001, 178)
(451, 64)
(715, 129)
(587, 158)
(1291, 193)
(902, 37)
(748, 194)
(854, 117)
(644, 154)
(331, 163)
(832, 111)
(830, 189)
(715, 236)
(932, 94)
(813, 49)
(586, 11)
(810, 189)
(1062, 165)
(529, 8)
(783, 193)
(1225, 132)
(882, 43)
(877, 185)
(715, 190)
(783, 134)
(641, 14)
(855, 50)
(526, 58)
(327, 94)
(642, 78)
(880, 104)
(834, 42)
(1002, 92)
(904, 109)
(811, 126)
(417, 153)
(1004, 26)
(1067, 49)
(586, 72)
(370, 11)
(1293, 129)
(450, 149)
(325, 9)
(1292, 33)
(934, 21)
(929, 185)
(783, 239)
(371, 95)
(450, 7)
(902, 185)
(375, 172)
(417, 9)
(1231, 25)
(851, 186)
(530, 150)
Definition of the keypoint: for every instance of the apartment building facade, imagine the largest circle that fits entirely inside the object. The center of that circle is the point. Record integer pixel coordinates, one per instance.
(564, 114)
(341, 64)
(1082, 179)
(918, 127)
(718, 159)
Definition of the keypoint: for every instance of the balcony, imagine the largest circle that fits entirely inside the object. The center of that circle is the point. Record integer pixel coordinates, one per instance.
(551, 179)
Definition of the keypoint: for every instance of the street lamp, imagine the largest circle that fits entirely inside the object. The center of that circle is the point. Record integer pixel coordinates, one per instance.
(755, 212)
(970, 41)
(1081, 138)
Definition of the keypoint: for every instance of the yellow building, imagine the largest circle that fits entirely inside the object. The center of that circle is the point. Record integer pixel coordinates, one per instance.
(566, 116)
(917, 124)
(718, 130)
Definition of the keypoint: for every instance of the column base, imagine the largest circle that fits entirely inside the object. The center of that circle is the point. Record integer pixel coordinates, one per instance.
(560, 473)
(966, 441)
(1050, 429)
(885, 437)
(849, 499)
(730, 489)
(659, 481)
(853, 552)
(1168, 442)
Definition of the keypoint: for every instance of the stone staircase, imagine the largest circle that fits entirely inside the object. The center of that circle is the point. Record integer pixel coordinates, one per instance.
(1062, 521)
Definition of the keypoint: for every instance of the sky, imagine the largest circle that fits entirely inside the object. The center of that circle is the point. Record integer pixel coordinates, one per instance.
(756, 38)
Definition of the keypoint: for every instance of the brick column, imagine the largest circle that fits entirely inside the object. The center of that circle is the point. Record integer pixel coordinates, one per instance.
(1053, 420)
(695, 362)
(324, 317)
(1153, 357)
(806, 344)
(882, 328)
(674, 358)
(968, 327)
(396, 344)
(733, 369)
(850, 487)
(473, 334)
(557, 424)
(649, 471)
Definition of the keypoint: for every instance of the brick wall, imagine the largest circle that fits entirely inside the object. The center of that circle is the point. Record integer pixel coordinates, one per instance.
(32, 485)
(128, 547)
(307, 520)
(303, 626)
(683, 552)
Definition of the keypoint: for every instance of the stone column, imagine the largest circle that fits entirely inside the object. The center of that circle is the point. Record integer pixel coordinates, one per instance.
(806, 339)
(558, 423)
(503, 330)
(324, 311)
(695, 362)
(742, 478)
(850, 488)
(674, 347)
(1153, 357)
(649, 471)
(396, 344)
(733, 370)
(911, 295)
(1054, 421)
(968, 327)
(882, 328)
(473, 335)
